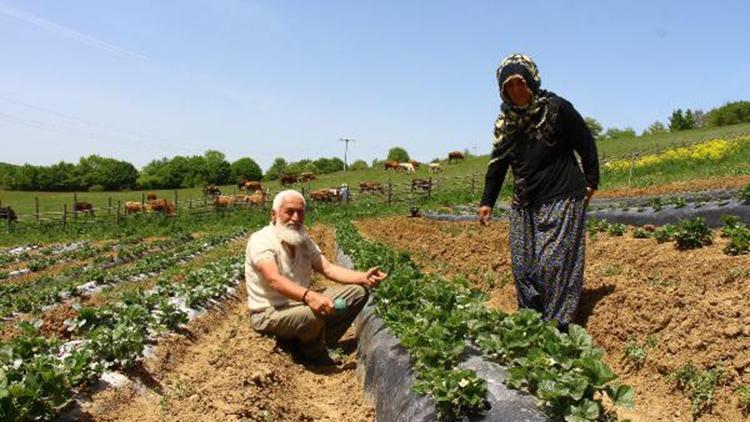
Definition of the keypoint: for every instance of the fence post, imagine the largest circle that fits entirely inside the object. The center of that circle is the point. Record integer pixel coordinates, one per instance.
(117, 215)
(143, 198)
(7, 221)
(109, 206)
(429, 189)
(472, 183)
(390, 192)
(175, 202)
(65, 215)
(36, 208)
(75, 214)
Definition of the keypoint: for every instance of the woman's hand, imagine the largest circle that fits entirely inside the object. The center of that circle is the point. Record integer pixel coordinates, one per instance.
(589, 194)
(483, 214)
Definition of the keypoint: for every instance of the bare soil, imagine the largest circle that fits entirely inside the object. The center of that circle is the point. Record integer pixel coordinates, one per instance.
(693, 304)
(724, 182)
(219, 369)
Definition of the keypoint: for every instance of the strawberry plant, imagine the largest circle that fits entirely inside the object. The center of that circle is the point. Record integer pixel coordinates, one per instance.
(692, 234)
(699, 384)
(743, 391)
(434, 318)
(664, 233)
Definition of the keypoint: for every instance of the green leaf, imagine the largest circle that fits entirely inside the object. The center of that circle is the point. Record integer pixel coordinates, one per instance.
(621, 396)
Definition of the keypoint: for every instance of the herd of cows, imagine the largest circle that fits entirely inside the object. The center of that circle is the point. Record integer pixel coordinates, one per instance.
(253, 194)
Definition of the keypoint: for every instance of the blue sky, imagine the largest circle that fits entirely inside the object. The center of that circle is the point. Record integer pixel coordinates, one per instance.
(138, 80)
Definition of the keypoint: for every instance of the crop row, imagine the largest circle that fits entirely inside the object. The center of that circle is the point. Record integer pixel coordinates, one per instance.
(687, 234)
(39, 376)
(45, 291)
(435, 318)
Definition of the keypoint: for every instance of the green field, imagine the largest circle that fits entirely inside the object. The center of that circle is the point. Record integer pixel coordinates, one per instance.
(455, 177)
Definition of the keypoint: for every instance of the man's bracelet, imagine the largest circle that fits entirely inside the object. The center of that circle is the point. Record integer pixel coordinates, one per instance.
(304, 296)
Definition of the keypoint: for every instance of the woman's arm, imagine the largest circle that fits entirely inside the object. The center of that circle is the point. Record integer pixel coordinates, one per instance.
(579, 136)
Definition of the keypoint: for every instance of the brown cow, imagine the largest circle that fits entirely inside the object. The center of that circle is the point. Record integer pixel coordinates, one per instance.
(455, 156)
(83, 207)
(252, 186)
(223, 201)
(391, 164)
(257, 198)
(371, 187)
(161, 205)
(132, 206)
(288, 179)
(322, 195)
(306, 176)
(150, 196)
(415, 163)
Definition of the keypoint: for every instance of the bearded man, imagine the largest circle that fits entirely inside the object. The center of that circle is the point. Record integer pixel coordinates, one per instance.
(279, 261)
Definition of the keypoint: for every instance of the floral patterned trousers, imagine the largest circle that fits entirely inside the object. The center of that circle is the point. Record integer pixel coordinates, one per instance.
(547, 253)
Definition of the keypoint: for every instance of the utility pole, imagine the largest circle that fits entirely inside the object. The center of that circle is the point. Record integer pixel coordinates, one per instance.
(346, 149)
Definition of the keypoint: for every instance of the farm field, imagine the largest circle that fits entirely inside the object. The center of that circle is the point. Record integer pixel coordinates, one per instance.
(457, 175)
(651, 307)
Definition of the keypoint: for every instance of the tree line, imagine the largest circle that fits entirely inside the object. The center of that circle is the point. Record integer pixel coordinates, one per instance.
(728, 114)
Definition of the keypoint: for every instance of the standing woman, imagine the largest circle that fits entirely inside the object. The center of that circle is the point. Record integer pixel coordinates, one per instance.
(536, 134)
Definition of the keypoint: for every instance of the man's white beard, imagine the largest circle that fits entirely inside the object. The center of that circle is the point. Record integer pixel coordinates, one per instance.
(289, 234)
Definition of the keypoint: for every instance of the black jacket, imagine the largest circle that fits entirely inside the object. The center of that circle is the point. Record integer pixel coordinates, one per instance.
(543, 164)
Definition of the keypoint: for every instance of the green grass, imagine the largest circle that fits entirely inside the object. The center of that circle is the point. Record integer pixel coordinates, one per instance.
(455, 177)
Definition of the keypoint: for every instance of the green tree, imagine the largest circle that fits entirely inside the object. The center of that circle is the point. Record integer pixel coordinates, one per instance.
(277, 169)
(679, 121)
(358, 165)
(656, 128)
(595, 127)
(615, 133)
(246, 169)
(106, 172)
(730, 114)
(398, 154)
(218, 169)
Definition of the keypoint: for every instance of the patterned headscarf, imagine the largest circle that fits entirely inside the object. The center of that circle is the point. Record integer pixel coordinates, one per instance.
(529, 118)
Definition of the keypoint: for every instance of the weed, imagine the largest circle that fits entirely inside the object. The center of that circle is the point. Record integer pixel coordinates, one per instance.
(744, 194)
(639, 233)
(699, 384)
(679, 202)
(744, 392)
(635, 353)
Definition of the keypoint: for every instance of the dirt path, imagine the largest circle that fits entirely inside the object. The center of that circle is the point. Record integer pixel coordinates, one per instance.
(222, 370)
(692, 304)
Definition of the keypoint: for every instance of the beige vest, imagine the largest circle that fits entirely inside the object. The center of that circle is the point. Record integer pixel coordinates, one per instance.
(264, 244)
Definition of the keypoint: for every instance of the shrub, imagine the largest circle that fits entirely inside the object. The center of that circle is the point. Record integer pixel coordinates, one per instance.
(692, 234)
(730, 113)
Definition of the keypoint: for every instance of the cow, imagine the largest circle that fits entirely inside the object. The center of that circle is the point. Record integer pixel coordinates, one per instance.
(421, 184)
(407, 167)
(306, 176)
(371, 187)
(391, 164)
(250, 185)
(455, 156)
(7, 213)
(161, 205)
(84, 207)
(288, 179)
(435, 168)
(211, 190)
(323, 195)
(133, 206)
(257, 198)
(150, 196)
(415, 163)
(223, 201)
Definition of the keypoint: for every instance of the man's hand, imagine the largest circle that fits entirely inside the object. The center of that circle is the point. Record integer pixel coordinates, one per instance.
(589, 194)
(319, 303)
(373, 277)
(483, 215)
